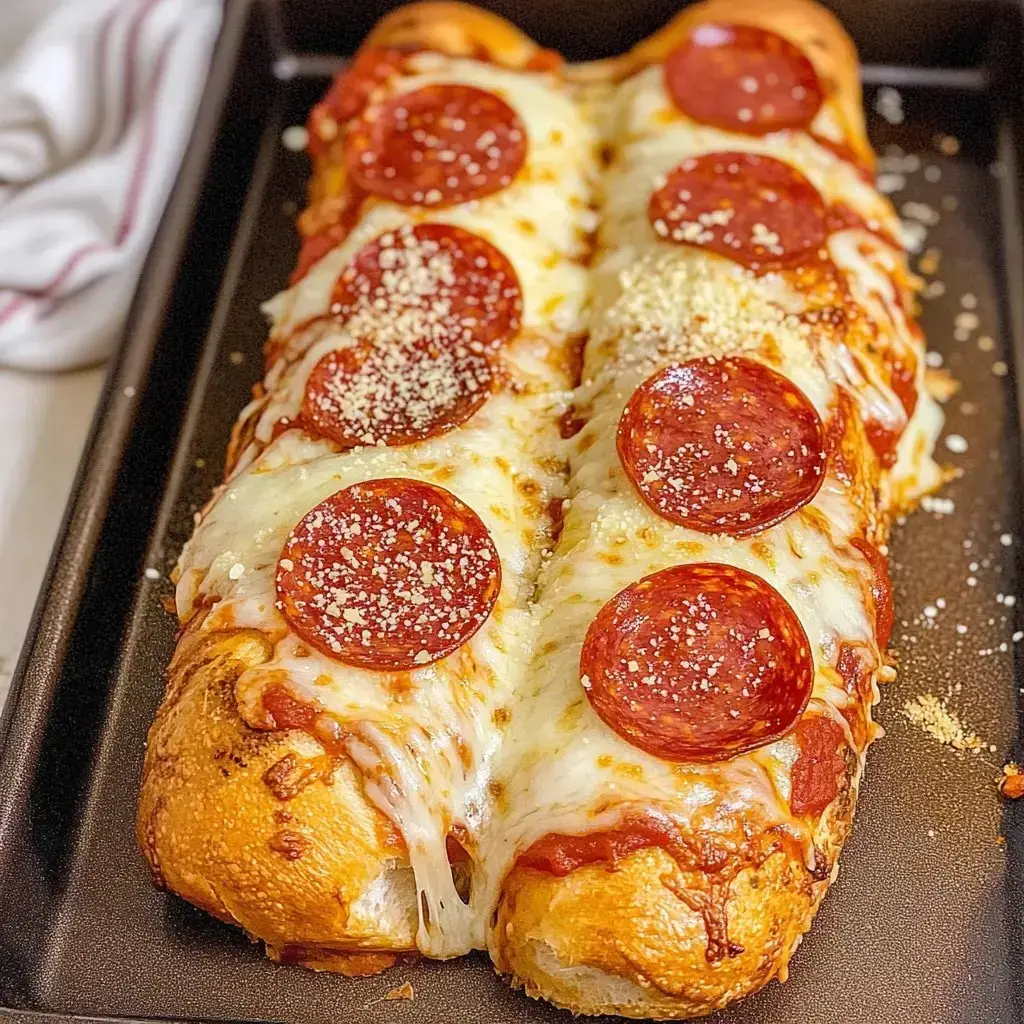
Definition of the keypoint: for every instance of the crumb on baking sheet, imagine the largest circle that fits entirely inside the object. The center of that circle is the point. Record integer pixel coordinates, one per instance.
(1011, 782)
(931, 714)
(930, 260)
(404, 991)
(295, 138)
(889, 105)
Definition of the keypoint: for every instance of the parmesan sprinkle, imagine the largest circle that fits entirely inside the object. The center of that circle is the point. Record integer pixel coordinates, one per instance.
(404, 991)
(889, 105)
(931, 714)
(390, 565)
(648, 325)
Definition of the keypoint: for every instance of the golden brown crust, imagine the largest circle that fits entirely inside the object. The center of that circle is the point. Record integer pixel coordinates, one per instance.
(249, 826)
(629, 924)
(623, 940)
(457, 29)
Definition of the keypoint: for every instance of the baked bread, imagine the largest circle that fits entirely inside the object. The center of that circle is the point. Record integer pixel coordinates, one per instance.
(474, 658)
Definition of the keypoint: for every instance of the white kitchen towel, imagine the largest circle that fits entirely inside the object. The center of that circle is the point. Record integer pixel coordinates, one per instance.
(95, 113)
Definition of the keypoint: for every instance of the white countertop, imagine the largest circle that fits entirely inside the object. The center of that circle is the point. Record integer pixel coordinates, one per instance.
(44, 420)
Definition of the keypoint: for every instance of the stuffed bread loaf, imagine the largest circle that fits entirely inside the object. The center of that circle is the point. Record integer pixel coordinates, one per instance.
(625, 766)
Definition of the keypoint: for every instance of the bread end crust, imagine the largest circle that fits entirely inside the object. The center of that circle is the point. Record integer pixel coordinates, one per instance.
(621, 941)
(627, 940)
(257, 828)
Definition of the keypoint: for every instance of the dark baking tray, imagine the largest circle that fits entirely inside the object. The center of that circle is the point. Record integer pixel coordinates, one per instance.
(924, 925)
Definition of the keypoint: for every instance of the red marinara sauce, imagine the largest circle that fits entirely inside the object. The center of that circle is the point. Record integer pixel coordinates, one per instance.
(881, 590)
(288, 712)
(559, 854)
(351, 91)
(819, 765)
(842, 217)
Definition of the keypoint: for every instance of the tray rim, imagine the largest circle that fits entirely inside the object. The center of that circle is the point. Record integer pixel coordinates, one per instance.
(40, 661)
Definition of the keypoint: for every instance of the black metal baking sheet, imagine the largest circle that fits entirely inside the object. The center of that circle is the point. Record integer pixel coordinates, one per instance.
(924, 925)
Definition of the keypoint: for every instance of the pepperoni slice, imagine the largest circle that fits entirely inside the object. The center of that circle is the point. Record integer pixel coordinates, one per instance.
(881, 590)
(390, 574)
(431, 282)
(754, 209)
(698, 663)
(435, 146)
(722, 446)
(819, 765)
(743, 79)
(395, 394)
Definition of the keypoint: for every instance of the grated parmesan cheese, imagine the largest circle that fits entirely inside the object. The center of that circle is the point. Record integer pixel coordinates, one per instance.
(933, 716)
